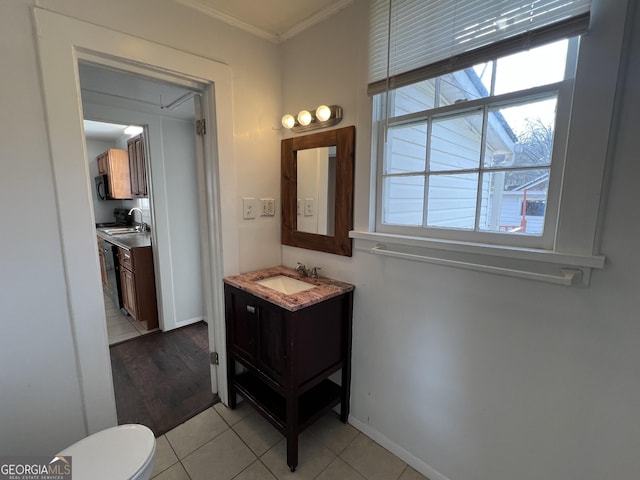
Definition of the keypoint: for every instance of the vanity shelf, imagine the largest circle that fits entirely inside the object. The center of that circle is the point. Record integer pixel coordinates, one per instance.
(282, 349)
(272, 405)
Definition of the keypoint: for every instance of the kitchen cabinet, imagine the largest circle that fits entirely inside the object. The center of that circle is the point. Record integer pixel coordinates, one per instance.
(137, 281)
(137, 166)
(287, 358)
(115, 164)
(103, 266)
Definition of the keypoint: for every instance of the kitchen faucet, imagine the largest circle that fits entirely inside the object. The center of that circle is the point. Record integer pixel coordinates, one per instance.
(142, 224)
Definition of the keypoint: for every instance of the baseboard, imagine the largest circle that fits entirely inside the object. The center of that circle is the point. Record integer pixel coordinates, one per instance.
(397, 450)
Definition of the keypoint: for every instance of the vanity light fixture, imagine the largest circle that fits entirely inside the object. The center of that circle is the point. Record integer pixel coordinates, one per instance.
(323, 116)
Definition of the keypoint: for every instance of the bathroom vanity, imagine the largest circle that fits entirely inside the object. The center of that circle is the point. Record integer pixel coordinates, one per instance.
(287, 335)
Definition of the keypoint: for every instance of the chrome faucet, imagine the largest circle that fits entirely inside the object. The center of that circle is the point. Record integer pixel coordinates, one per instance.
(301, 269)
(142, 225)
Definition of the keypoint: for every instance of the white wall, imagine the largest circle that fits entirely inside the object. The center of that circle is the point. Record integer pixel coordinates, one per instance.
(474, 375)
(37, 362)
(180, 176)
(41, 409)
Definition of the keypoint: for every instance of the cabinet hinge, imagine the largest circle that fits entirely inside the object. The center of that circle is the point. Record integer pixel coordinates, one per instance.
(201, 127)
(214, 358)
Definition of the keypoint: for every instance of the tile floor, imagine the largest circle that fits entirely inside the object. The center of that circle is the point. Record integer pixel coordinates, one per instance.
(224, 444)
(121, 327)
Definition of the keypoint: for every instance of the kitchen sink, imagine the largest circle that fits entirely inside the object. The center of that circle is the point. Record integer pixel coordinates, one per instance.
(121, 230)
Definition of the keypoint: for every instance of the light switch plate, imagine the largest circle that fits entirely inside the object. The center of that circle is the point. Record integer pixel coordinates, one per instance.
(249, 207)
(268, 207)
(308, 207)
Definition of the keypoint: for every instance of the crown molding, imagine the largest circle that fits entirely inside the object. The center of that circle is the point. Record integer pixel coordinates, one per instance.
(314, 19)
(272, 37)
(228, 19)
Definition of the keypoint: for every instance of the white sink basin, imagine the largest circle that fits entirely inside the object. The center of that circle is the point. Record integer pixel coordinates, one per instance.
(284, 284)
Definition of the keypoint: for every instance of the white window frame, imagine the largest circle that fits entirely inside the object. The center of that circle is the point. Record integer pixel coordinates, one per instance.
(563, 91)
(573, 251)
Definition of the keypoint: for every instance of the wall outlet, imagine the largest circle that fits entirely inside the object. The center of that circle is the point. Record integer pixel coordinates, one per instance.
(308, 207)
(249, 208)
(268, 207)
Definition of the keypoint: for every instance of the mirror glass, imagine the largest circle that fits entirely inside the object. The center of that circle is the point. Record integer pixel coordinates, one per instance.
(316, 186)
(317, 190)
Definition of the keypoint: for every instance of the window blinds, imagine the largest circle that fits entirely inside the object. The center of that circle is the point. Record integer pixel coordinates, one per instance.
(411, 40)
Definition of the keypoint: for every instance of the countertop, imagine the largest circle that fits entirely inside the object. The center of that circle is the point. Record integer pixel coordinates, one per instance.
(325, 288)
(128, 241)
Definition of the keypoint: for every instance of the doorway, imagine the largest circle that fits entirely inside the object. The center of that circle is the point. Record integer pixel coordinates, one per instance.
(175, 204)
(161, 117)
(61, 42)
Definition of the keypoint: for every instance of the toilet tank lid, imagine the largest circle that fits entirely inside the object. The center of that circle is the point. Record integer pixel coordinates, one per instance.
(117, 452)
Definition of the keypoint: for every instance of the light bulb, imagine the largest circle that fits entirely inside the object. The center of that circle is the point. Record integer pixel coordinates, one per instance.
(323, 113)
(288, 121)
(304, 117)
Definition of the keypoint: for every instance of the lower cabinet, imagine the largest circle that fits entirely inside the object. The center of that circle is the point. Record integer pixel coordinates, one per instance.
(137, 281)
(103, 266)
(287, 359)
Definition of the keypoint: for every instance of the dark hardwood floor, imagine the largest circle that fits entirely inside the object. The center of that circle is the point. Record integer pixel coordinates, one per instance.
(162, 379)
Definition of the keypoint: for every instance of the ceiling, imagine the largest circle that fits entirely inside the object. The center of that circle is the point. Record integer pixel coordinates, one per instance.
(101, 85)
(275, 20)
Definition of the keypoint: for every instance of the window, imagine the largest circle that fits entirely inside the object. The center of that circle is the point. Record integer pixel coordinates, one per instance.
(464, 150)
(483, 158)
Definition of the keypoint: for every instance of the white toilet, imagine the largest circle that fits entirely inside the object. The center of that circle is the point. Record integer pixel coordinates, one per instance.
(125, 452)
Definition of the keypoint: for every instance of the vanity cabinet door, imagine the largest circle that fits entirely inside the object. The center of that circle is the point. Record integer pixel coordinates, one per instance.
(257, 333)
(272, 337)
(243, 329)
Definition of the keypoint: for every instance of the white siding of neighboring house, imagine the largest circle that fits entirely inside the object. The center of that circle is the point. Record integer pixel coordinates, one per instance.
(455, 143)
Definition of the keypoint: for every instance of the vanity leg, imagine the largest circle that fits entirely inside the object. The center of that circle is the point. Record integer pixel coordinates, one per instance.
(292, 432)
(231, 379)
(346, 359)
(292, 452)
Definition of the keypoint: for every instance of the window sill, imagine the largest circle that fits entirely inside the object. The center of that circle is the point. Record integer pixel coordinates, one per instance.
(534, 264)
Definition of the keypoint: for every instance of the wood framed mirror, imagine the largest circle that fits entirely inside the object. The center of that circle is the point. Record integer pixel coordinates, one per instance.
(317, 190)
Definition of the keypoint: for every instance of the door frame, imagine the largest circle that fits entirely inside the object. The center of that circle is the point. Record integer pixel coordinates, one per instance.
(62, 41)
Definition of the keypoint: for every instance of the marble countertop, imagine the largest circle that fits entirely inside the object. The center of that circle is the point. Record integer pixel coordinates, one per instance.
(128, 241)
(324, 289)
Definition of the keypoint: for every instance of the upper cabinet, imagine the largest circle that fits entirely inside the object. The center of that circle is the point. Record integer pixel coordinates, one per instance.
(137, 167)
(115, 164)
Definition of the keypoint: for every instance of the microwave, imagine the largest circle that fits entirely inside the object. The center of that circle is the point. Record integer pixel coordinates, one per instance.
(102, 187)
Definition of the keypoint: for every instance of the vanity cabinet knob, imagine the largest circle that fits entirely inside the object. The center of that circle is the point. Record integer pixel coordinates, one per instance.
(251, 309)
